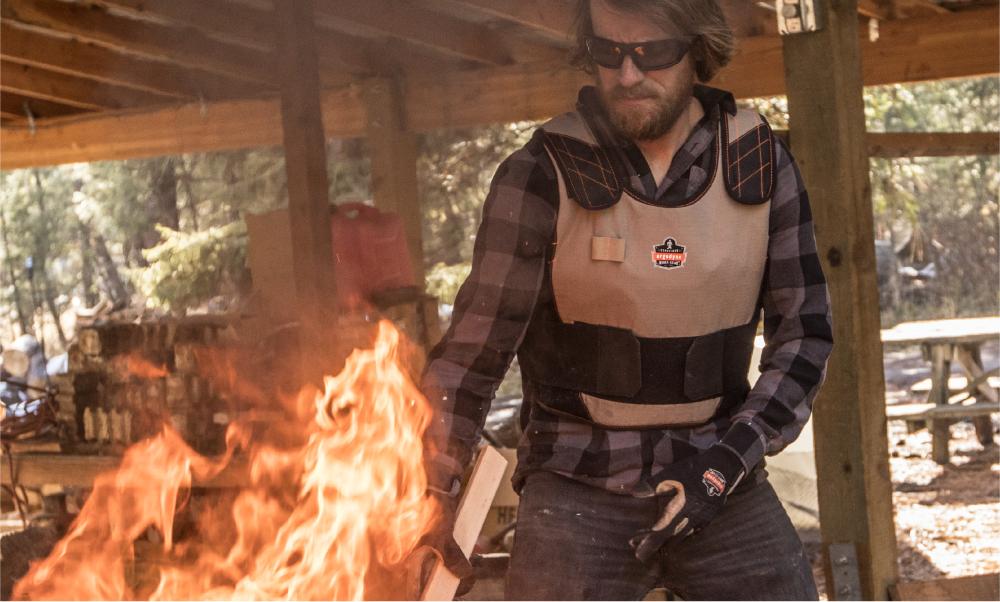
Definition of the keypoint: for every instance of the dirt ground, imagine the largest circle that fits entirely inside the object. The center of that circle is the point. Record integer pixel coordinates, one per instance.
(947, 517)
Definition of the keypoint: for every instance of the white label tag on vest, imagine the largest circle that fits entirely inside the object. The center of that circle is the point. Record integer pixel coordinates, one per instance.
(604, 248)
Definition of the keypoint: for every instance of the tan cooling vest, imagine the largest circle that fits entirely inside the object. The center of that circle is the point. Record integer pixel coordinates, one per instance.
(611, 266)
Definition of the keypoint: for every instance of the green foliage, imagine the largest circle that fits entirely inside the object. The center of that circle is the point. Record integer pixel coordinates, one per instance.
(443, 281)
(188, 268)
(455, 169)
(941, 210)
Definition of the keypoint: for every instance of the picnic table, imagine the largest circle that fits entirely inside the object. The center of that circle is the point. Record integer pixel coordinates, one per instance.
(942, 342)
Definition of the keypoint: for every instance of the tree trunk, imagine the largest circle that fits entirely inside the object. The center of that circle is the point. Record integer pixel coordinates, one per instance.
(41, 258)
(86, 264)
(187, 175)
(165, 193)
(22, 318)
(112, 279)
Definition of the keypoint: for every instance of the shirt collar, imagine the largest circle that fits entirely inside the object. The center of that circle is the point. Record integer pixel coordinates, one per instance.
(625, 155)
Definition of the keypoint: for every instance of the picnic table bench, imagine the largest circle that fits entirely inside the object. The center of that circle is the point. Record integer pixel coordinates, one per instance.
(942, 342)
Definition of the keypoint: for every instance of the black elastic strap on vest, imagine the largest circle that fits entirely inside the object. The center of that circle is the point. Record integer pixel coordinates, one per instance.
(614, 364)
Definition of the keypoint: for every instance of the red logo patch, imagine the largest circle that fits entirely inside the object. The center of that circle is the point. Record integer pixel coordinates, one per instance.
(714, 482)
(669, 255)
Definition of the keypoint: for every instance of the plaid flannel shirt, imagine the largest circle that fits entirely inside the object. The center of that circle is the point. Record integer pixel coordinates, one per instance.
(494, 306)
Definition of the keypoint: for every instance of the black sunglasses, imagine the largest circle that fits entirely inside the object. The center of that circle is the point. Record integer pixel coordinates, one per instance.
(647, 56)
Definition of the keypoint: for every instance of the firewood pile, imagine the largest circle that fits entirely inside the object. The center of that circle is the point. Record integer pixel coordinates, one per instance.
(125, 378)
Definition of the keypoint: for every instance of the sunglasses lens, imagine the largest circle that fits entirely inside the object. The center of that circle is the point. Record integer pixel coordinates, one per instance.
(605, 53)
(659, 54)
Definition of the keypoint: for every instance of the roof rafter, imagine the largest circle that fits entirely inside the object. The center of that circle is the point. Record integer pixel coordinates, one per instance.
(432, 30)
(185, 46)
(552, 18)
(70, 90)
(340, 54)
(74, 57)
(15, 104)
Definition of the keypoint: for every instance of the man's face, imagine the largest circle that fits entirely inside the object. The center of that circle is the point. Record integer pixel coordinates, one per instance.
(642, 105)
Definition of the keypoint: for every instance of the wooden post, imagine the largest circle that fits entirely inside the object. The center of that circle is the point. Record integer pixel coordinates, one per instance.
(305, 166)
(394, 163)
(826, 107)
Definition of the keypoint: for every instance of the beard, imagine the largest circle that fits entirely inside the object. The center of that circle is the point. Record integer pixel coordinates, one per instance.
(642, 122)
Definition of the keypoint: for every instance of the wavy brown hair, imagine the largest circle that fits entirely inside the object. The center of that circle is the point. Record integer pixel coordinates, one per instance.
(713, 45)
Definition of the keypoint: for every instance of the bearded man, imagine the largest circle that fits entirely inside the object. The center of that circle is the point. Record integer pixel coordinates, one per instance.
(625, 256)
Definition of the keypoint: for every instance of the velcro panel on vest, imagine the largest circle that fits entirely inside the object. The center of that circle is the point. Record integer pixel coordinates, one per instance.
(612, 363)
(602, 360)
(748, 158)
(587, 170)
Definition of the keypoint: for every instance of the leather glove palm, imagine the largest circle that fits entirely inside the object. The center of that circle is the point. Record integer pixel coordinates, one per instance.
(690, 493)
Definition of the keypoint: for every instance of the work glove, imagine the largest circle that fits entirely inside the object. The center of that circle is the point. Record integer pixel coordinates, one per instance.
(690, 494)
(439, 544)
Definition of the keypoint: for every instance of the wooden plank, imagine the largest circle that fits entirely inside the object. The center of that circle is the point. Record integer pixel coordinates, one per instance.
(876, 9)
(553, 19)
(308, 188)
(974, 587)
(930, 411)
(518, 92)
(171, 130)
(185, 46)
(248, 27)
(891, 145)
(469, 518)
(72, 91)
(851, 447)
(436, 31)
(35, 470)
(393, 152)
(496, 95)
(14, 104)
(960, 44)
(959, 330)
(72, 57)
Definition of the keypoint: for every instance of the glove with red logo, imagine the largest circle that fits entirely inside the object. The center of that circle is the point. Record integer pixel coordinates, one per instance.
(690, 493)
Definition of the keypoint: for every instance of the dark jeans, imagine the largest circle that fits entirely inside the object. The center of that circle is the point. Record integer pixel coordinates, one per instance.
(571, 543)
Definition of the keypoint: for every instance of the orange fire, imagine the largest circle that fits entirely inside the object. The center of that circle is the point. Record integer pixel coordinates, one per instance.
(140, 367)
(326, 519)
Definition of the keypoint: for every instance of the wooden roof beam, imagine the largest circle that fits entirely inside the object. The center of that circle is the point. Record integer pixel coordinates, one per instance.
(72, 91)
(551, 18)
(885, 10)
(876, 9)
(16, 104)
(436, 31)
(39, 48)
(185, 46)
(340, 55)
(960, 45)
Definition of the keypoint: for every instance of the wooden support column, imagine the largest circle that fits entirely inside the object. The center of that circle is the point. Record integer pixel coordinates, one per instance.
(394, 163)
(305, 166)
(827, 121)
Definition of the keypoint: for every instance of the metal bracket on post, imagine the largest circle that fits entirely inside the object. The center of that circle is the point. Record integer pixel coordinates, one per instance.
(797, 16)
(844, 571)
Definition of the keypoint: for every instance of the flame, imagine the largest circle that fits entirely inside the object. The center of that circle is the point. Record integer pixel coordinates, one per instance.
(327, 519)
(134, 365)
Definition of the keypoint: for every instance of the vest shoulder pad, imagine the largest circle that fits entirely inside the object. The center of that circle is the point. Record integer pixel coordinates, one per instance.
(748, 157)
(585, 166)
